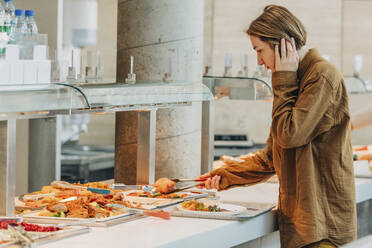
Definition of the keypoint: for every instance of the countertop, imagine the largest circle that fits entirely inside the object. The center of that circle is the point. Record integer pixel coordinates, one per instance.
(191, 232)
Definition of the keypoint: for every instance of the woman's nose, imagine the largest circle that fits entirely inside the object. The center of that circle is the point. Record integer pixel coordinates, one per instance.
(259, 61)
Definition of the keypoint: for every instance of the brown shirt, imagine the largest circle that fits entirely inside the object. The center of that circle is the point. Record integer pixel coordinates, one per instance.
(310, 150)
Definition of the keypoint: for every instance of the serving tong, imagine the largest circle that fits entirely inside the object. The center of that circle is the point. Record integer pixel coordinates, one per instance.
(19, 233)
(182, 180)
(66, 185)
(149, 212)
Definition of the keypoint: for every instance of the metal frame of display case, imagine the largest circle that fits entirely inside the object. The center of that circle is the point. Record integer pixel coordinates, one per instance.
(46, 101)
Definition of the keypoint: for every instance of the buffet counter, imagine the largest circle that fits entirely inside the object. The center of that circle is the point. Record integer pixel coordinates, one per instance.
(192, 232)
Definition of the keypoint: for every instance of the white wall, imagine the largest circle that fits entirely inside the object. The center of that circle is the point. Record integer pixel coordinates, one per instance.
(339, 28)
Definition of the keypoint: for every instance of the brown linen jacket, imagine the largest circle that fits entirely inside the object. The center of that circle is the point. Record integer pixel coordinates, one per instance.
(310, 150)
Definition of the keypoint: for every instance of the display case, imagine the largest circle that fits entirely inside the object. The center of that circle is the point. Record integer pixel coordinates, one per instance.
(240, 88)
(50, 100)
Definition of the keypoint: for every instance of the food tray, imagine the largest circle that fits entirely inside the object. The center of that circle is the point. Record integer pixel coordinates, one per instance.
(48, 237)
(46, 219)
(160, 202)
(250, 210)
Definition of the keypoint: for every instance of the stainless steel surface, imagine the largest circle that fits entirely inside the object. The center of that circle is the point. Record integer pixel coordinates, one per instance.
(124, 186)
(22, 236)
(207, 142)
(146, 147)
(43, 152)
(184, 188)
(7, 166)
(183, 180)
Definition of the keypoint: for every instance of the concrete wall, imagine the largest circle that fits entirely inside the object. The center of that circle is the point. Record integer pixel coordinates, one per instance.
(153, 32)
(338, 35)
(357, 35)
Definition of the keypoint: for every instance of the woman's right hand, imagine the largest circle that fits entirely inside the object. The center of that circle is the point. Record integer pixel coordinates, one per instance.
(209, 181)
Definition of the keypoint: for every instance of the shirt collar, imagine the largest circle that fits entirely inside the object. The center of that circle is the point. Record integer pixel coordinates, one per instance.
(311, 57)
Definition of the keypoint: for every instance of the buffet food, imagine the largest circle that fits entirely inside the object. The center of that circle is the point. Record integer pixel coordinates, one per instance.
(90, 205)
(28, 226)
(78, 203)
(362, 152)
(64, 201)
(195, 205)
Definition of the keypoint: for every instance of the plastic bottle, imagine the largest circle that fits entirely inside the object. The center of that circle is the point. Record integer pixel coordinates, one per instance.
(18, 29)
(19, 25)
(10, 12)
(30, 22)
(2, 18)
(2, 30)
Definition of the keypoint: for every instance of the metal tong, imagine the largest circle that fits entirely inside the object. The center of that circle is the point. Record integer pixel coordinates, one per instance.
(21, 235)
(182, 180)
(124, 186)
(155, 213)
(67, 185)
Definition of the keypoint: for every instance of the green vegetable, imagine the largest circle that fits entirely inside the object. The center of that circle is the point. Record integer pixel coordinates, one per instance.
(60, 214)
(200, 206)
(213, 208)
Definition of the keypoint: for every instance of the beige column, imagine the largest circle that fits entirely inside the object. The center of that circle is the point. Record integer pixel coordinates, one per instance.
(153, 32)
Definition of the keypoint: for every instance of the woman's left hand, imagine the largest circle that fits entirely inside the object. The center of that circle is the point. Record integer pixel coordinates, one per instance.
(289, 59)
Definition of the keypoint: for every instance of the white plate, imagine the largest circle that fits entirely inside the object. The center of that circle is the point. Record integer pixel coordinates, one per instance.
(362, 169)
(231, 210)
(35, 215)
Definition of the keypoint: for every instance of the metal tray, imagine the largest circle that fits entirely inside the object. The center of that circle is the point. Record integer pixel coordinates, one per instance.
(44, 238)
(45, 219)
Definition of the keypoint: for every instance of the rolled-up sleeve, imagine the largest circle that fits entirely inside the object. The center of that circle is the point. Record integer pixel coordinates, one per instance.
(252, 169)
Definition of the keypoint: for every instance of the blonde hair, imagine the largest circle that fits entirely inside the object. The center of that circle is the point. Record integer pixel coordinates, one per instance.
(275, 23)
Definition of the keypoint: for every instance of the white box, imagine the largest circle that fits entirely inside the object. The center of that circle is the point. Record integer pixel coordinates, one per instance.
(4, 72)
(40, 52)
(12, 52)
(29, 71)
(16, 72)
(44, 68)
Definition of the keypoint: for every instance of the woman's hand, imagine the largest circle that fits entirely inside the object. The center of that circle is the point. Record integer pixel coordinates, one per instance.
(164, 185)
(289, 59)
(210, 182)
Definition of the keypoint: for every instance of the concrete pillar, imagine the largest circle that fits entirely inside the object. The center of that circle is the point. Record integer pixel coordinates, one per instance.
(44, 152)
(7, 166)
(153, 32)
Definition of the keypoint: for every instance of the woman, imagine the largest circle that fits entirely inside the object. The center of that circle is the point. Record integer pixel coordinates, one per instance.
(309, 146)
